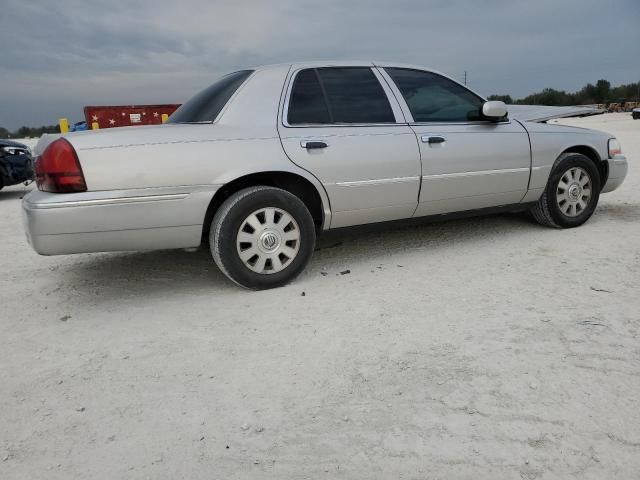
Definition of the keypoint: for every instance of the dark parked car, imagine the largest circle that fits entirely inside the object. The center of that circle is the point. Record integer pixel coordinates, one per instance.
(635, 113)
(16, 164)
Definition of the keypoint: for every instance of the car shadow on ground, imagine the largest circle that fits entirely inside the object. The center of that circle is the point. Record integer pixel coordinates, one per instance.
(628, 212)
(169, 273)
(109, 277)
(376, 242)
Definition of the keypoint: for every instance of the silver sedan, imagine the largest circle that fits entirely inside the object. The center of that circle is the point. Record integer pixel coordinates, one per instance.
(260, 162)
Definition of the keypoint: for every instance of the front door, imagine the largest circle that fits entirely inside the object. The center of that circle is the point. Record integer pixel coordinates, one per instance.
(468, 162)
(339, 124)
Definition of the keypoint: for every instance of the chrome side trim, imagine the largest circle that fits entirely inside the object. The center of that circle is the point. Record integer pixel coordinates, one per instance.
(478, 122)
(110, 201)
(473, 174)
(376, 182)
(331, 125)
(91, 232)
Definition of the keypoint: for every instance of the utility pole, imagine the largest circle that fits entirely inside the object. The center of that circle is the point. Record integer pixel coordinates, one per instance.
(465, 77)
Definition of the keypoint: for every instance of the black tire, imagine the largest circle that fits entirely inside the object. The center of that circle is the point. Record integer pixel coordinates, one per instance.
(548, 212)
(231, 216)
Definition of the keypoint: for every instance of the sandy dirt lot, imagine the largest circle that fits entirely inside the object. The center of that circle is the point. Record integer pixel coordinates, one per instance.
(478, 348)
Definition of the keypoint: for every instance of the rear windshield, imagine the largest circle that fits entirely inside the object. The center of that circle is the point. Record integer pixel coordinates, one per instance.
(206, 105)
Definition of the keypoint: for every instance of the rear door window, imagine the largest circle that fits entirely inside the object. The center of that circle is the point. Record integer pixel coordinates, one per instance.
(338, 95)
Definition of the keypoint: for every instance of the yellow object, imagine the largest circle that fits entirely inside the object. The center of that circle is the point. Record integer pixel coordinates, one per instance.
(165, 117)
(64, 125)
(95, 126)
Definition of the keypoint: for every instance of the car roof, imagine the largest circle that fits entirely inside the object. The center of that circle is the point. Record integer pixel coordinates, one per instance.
(341, 63)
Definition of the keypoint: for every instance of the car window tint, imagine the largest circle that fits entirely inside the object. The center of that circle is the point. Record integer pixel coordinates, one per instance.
(206, 105)
(434, 98)
(355, 96)
(338, 95)
(307, 104)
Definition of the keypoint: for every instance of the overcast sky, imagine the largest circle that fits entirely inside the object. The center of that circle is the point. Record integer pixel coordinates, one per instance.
(59, 56)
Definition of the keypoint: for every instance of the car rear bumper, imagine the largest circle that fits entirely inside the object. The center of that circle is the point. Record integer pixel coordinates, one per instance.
(148, 219)
(618, 168)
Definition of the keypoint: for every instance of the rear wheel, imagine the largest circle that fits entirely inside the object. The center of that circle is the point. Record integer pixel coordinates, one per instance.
(262, 237)
(571, 194)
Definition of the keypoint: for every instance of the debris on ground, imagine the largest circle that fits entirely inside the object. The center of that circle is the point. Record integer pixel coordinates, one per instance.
(600, 290)
(591, 323)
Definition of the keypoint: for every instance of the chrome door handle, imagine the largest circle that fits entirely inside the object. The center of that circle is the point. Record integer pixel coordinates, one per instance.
(313, 144)
(432, 139)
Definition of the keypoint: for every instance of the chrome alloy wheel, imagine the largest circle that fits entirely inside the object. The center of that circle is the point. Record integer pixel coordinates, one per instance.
(268, 240)
(574, 191)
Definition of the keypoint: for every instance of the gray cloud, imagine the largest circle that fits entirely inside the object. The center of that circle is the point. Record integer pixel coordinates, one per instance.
(59, 56)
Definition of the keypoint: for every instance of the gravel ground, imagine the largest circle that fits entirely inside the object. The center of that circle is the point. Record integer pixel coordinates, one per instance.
(479, 348)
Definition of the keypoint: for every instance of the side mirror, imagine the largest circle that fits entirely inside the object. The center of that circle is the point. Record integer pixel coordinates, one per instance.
(494, 110)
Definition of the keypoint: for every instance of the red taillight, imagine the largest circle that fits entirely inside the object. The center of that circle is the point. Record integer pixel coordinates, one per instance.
(58, 169)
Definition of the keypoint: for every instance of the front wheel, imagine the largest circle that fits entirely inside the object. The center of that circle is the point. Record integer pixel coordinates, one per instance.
(262, 237)
(571, 194)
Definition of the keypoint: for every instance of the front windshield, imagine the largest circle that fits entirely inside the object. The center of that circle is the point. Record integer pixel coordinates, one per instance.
(206, 105)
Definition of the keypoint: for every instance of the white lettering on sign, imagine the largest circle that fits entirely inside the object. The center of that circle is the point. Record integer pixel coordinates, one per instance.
(135, 118)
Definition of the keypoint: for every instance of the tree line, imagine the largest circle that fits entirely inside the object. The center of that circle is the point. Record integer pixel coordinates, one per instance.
(600, 93)
(29, 132)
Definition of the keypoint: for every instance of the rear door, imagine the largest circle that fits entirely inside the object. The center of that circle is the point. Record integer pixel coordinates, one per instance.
(468, 162)
(344, 126)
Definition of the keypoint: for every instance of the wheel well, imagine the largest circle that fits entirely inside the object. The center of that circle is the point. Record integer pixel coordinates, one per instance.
(295, 184)
(603, 167)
